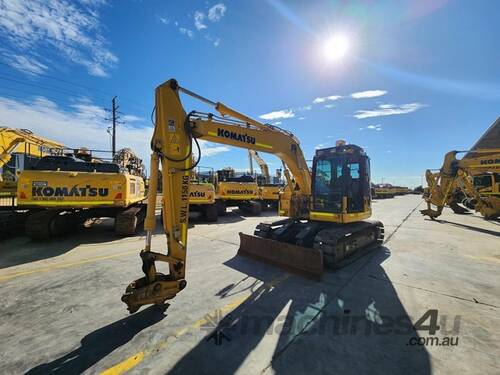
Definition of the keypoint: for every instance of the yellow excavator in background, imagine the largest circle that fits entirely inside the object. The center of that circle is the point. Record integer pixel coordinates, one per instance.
(19, 149)
(326, 207)
(25, 143)
(269, 192)
(72, 186)
(234, 190)
(202, 195)
(459, 173)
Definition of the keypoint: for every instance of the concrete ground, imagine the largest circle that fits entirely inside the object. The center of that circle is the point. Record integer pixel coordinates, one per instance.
(61, 310)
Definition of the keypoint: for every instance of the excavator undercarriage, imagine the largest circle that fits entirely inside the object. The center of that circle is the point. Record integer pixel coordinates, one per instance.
(308, 247)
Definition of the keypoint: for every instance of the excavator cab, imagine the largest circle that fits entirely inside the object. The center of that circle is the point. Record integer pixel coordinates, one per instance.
(340, 181)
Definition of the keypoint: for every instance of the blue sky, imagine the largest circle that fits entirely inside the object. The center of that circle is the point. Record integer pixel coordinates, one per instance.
(418, 79)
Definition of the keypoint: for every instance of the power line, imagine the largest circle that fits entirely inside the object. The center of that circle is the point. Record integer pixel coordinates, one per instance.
(43, 87)
(142, 105)
(32, 93)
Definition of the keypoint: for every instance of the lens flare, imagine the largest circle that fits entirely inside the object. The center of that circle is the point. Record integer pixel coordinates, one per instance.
(336, 47)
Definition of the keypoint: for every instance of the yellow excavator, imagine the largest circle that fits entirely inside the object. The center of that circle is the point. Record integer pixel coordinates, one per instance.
(71, 187)
(25, 143)
(19, 149)
(234, 190)
(326, 208)
(458, 174)
(268, 191)
(202, 195)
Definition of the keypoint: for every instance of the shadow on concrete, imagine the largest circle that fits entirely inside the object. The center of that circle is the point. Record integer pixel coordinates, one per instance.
(21, 250)
(349, 323)
(101, 343)
(469, 227)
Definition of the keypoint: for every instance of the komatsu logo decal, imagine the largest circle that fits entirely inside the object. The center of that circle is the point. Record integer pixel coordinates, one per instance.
(242, 192)
(245, 138)
(39, 190)
(197, 194)
(490, 161)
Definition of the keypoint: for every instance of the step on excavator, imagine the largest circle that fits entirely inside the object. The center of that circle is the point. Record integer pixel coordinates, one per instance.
(326, 208)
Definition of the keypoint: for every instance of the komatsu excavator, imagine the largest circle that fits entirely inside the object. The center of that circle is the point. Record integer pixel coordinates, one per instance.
(460, 173)
(20, 142)
(269, 192)
(326, 207)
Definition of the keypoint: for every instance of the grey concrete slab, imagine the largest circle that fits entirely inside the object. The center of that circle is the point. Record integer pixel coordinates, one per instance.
(62, 314)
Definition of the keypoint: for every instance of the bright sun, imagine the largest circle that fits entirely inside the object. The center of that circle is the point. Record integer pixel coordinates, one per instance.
(336, 47)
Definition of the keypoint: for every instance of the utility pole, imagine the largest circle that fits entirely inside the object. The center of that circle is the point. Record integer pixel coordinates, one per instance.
(115, 119)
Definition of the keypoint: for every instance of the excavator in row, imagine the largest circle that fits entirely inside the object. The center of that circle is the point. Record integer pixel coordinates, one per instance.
(473, 177)
(268, 190)
(54, 188)
(326, 208)
(19, 149)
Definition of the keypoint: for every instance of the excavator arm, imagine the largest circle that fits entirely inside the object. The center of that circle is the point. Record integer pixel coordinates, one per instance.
(175, 135)
(23, 140)
(262, 165)
(455, 171)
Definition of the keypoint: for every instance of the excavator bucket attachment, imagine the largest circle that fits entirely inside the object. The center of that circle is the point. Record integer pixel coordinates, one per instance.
(297, 259)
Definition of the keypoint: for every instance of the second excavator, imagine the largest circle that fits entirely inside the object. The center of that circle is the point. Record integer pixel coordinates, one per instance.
(326, 208)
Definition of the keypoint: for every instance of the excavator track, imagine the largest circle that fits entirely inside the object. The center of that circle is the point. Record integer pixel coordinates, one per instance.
(47, 224)
(309, 248)
(127, 221)
(342, 245)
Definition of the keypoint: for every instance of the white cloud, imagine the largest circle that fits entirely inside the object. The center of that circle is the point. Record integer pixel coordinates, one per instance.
(187, 32)
(164, 20)
(131, 118)
(216, 12)
(29, 66)
(214, 41)
(377, 127)
(368, 94)
(210, 149)
(302, 118)
(329, 105)
(88, 127)
(198, 20)
(68, 29)
(389, 110)
(304, 108)
(284, 113)
(326, 99)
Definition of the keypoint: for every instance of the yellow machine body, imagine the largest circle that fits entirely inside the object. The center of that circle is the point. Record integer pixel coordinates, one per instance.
(201, 193)
(61, 189)
(237, 191)
(269, 192)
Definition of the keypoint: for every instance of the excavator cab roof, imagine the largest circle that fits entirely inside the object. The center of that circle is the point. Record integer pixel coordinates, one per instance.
(342, 149)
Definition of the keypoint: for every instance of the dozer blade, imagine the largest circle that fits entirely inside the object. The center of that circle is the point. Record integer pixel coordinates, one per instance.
(297, 259)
